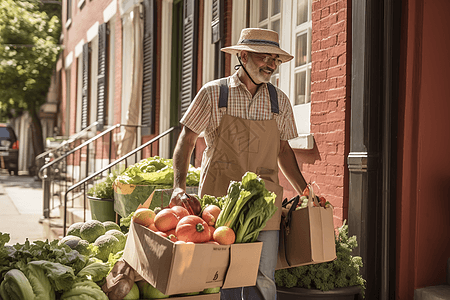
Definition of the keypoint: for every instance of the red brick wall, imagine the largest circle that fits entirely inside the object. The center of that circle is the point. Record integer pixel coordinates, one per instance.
(330, 102)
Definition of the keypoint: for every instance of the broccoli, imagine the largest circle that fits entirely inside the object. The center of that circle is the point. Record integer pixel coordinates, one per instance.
(285, 278)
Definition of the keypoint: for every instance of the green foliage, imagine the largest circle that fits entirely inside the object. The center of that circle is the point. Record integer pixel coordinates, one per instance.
(211, 200)
(104, 189)
(84, 289)
(125, 222)
(341, 272)
(29, 35)
(16, 286)
(91, 230)
(50, 269)
(156, 171)
(247, 207)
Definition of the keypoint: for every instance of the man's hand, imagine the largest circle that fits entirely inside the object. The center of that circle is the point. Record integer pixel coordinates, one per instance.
(190, 202)
(178, 195)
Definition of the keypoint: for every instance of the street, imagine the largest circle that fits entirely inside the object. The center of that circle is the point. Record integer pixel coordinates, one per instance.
(21, 207)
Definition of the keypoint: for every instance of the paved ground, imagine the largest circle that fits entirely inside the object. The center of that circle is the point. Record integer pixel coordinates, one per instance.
(21, 207)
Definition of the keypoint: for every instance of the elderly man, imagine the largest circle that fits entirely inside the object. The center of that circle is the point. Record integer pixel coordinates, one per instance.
(247, 123)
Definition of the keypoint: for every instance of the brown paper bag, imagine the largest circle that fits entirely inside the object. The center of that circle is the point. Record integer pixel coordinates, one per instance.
(306, 235)
(119, 281)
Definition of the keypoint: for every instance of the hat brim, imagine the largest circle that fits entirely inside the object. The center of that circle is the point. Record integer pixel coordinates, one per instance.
(283, 55)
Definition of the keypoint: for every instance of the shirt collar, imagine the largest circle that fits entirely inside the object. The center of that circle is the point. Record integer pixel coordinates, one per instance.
(235, 81)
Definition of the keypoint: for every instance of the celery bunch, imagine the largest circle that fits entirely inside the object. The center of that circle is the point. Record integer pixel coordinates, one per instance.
(247, 207)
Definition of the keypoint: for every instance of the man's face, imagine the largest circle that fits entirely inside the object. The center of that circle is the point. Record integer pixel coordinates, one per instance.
(261, 66)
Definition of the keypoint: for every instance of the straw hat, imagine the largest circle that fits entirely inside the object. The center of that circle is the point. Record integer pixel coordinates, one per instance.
(260, 41)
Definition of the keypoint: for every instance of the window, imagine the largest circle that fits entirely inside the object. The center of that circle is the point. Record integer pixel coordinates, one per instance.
(269, 17)
(68, 13)
(292, 20)
(301, 38)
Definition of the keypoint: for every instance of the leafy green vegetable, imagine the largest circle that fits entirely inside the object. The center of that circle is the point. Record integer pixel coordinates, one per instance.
(341, 272)
(247, 207)
(84, 289)
(259, 211)
(211, 200)
(40, 250)
(41, 285)
(126, 222)
(113, 258)
(4, 253)
(95, 271)
(104, 189)
(15, 286)
(60, 276)
(155, 171)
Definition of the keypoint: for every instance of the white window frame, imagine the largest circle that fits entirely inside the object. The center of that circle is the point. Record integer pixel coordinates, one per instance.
(111, 71)
(287, 71)
(127, 63)
(275, 80)
(79, 84)
(69, 13)
(67, 118)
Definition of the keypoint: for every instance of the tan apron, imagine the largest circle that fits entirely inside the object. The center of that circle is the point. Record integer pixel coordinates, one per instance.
(240, 146)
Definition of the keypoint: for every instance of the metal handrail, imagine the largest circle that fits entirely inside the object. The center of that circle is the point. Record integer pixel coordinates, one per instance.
(83, 145)
(71, 139)
(93, 175)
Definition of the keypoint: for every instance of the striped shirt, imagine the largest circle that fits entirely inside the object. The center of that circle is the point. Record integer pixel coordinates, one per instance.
(204, 114)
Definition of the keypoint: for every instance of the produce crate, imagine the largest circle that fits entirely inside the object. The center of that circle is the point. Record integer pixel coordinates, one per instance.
(197, 297)
(127, 197)
(185, 268)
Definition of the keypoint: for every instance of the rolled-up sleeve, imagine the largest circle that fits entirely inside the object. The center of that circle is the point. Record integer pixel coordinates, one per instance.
(198, 115)
(286, 121)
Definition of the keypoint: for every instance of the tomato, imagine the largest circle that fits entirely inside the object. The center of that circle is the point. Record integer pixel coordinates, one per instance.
(192, 229)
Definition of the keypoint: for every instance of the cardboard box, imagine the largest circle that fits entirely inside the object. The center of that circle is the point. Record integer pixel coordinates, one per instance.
(198, 297)
(185, 268)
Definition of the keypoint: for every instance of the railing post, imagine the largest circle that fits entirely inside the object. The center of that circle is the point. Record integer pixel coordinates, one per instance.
(46, 197)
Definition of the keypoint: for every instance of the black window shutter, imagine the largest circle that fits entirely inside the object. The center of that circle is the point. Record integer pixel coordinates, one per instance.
(217, 21)
(101, 78)
(149, 69)
(217, 36)
(85, 87)
(189, 61)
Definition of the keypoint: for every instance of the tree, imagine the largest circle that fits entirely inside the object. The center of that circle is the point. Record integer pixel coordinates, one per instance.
(29, 48)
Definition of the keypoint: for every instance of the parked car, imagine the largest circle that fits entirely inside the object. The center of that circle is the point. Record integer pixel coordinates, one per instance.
(9, 149)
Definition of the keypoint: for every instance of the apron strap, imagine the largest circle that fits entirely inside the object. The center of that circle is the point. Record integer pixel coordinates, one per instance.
(223, 96)
(273, 98)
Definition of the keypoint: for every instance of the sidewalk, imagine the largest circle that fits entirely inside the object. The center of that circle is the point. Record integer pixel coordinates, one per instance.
(21, 208)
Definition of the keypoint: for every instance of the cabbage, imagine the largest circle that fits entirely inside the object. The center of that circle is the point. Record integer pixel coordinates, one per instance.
(15, 286)
(84, 289)
(42, 288)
